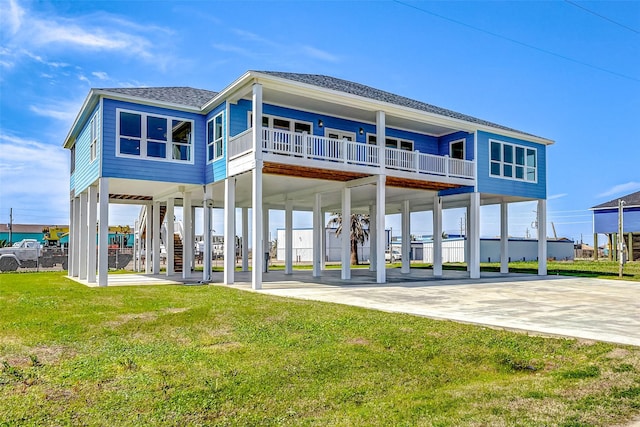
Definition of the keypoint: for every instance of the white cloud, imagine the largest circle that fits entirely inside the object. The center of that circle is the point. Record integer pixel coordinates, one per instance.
(319, 54)
(33, 176)
(13, 15)
(621, 189)
(57, 112)
(557, 196)
(100, 75)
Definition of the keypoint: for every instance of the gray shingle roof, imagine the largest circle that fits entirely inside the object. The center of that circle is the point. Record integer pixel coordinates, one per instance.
(364, 91)
(632, 199)
(176, 95)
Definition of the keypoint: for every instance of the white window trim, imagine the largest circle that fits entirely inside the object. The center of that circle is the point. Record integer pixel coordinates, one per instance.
(341, 133)
(513, 178)
(215, 157)
(464, 147)
(393, 138)
(143, 138)
(271, 117)
(94, 137)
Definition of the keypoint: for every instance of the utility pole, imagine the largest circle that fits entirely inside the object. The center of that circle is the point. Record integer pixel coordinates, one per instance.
(620, 236)
(10, 226)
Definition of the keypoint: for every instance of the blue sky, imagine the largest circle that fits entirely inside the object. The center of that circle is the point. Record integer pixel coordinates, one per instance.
(564, 70)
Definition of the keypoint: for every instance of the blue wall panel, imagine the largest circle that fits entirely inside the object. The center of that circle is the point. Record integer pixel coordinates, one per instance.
(510, 187)
(240, 113)
(217, 170)
(443, 144)
(606, 220)
(87, 171)
(146, 169)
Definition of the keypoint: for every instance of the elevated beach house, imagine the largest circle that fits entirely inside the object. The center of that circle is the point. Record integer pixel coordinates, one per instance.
(293, 142)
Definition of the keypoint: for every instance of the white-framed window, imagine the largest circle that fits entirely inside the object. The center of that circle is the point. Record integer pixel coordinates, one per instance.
(214, 138)
(282, 123)
(513, 161)
(93, 146)
(339, 134)
(153, 136)
(457, 149)
(402, 144)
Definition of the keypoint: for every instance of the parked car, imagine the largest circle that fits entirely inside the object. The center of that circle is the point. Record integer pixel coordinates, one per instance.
(392, 256)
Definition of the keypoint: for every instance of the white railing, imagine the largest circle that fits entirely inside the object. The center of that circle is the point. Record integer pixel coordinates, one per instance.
(241, 143)
(294, 144)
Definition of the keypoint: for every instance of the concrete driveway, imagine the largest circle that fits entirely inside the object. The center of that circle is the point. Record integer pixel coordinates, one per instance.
(595, 309)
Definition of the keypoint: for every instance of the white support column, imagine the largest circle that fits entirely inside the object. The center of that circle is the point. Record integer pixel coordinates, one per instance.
(93, 244)
(346, 234)
(406, 237)
(381, 234)
(75, 243)
(265, 237)
(474, 235)
(288, 237)
(207, 221)
(72, 236)
(381, 137)
(542, 237)
(103, 232)
(318, 238)
(257, 245)
(373, 232)
(323, 239)
(193, 238)
(187, 233)
(504, 237)
(169, 216)
(467, 246)
(437, 236)
(155, 238)
(148, 241)
(84, 235)
(245, 239)
(257, 122)
(229, 231)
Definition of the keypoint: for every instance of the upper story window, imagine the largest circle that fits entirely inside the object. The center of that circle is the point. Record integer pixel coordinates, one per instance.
(402, 144)
(155, 137)
(214, 138)
(282, 123)
(513, 161)
(93, 147)
(456, 149)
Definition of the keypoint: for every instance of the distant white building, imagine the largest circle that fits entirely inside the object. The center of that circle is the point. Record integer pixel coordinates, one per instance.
(303, 246)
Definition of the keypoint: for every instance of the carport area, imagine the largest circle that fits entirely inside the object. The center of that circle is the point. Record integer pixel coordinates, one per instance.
(586, 308)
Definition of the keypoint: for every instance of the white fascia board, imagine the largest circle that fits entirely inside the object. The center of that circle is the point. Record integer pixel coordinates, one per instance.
(96, 95)
(88, 101)
(227, 92)
(356, 101)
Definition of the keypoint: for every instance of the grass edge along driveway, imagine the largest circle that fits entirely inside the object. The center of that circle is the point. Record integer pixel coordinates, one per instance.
(213, 355)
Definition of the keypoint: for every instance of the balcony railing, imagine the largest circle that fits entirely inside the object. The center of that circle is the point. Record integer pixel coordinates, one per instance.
(314, 147)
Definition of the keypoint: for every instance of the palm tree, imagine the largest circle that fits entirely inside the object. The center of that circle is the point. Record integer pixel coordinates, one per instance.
(359, 231)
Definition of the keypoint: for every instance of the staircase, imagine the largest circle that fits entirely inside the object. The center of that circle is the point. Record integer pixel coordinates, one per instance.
(177, 253)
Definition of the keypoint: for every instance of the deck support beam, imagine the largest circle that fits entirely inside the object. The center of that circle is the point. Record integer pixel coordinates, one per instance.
(381, 235)
(155, 236)
(406, 237)
(103, 232)
(169, 244)
(229, 231)
(288, 237)
(542, 237)
(437, 236)
(245, 239)
(504, 238)
(474, 235)
(92, 243)
(318, 231)
(346, 234)
(84, 235)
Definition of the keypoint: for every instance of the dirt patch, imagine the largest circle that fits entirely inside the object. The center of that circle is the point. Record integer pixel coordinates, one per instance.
(125, 318)
(618, 353)
(358, 341)
(41, 355)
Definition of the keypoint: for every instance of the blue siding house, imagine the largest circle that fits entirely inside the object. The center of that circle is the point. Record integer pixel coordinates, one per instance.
(606, 218)
(293, 142)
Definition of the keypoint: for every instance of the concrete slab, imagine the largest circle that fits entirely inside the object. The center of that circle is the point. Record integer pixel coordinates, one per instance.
(595, 309)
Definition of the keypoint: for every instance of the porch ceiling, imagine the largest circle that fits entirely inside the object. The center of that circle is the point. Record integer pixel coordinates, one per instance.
(340, 109)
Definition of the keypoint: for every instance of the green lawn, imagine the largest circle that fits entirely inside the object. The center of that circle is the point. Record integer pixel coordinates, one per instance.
(213, 355)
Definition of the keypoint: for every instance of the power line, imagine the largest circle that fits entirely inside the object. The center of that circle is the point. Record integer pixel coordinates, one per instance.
(572, 3)
(500, 36)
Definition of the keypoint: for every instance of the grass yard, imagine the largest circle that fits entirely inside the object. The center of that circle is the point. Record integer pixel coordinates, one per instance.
(214, 355)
